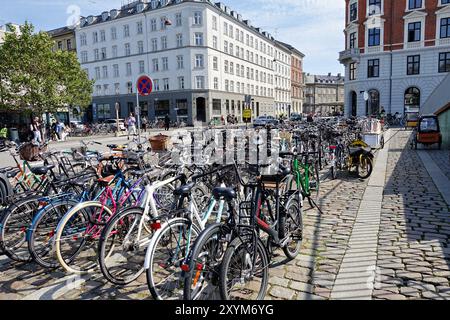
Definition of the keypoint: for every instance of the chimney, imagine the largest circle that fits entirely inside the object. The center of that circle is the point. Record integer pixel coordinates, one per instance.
(339, 75)
(329, 74)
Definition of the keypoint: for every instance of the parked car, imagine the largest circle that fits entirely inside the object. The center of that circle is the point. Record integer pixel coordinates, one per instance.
(77, 125)
(428, 132)
(296, 117)
(264, 121)
(112, 123)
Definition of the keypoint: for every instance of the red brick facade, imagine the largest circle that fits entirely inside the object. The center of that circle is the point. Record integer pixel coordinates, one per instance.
(394, 26)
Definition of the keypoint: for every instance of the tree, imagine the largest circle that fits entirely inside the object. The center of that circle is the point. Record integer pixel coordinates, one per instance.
(34, 78)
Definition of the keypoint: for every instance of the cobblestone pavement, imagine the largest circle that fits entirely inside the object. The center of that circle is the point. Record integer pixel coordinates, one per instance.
(412, 260)
(413, 253)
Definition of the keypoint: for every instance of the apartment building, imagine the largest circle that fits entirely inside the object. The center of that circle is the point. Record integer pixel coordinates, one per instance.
(8, 28)
(397, 53)
(324, 94)
(203, 58)
(64, 39)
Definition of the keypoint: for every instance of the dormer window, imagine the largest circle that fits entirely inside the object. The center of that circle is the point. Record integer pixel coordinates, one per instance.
(140, 7)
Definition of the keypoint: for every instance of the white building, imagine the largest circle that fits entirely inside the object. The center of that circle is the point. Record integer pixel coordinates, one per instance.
(203, 58)
(7, 28)
(283, 96)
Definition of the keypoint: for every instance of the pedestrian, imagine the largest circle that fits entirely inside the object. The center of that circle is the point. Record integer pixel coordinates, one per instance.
(144, 123)
(131, 121)
(310, 118)
(54, 136)
(35, 128)
(167, 122)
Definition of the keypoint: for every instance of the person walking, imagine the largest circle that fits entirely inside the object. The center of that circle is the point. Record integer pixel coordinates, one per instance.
(131, 121)
(35, 128)
(167, 122)
(144, 123)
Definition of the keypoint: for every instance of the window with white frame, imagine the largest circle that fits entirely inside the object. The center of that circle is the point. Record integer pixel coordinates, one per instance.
(200, 82)
(199, 62)
(198, 39)
(180, 62)
(179, 40)
(198, 18)
(141, 67)
(181, 83)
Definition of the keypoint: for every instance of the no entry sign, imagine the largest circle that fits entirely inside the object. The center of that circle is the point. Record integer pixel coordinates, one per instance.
(145, 86)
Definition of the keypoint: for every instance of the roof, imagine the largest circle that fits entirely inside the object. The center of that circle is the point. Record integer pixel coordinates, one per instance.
(291, 48)
(439, 100)
(60, 31)
(442, 110)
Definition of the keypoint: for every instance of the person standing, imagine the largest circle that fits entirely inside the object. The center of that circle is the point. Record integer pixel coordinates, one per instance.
(131, 121)
(35, 128)
(167, 122)
(144, 123)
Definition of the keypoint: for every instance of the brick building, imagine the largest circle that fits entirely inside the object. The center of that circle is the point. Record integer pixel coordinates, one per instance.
(397, 53)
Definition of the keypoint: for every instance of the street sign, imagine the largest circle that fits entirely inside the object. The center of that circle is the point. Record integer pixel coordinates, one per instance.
(144, 86)
(247, 114)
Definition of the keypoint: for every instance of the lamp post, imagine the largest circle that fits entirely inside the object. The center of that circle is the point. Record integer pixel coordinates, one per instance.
(117, 105)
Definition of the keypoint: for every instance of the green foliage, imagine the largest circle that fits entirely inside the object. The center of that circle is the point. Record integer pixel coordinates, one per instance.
(34, 78)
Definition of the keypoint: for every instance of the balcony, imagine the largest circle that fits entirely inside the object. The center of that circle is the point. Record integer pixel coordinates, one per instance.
(348, 54)
(444, 42)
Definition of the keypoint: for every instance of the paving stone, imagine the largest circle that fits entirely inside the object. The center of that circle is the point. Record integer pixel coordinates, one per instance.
(301, 286)
(283, 293)
(278, 281)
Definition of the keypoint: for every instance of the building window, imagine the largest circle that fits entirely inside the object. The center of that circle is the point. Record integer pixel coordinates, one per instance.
(114, 51)
(155, 65)
(445, 27)
(84, 57)
(374, 37)
(180, 62)
(166, 84)
(373, 68)
(139, 27)
(215, 63)
(199, 39)
(199, 61)
(102, 36)
(164, 43)
(129, 87)
(116, 70)
(97, 73)
(198, 18)
(178, 20)
(214, 23)
(179, 40)
(413, 65)
(227, 85)
(374, 7)
(444, 62)
(156, 84)
(215, 42)
(216, 83)
(352, 68)
(69, 44)
(412, 100)
(126, 31)
(414, 4)
(96, 55)
(353, 11)
(141, 67)
(200, 82)
(181, 83)
(127, 49)
(140, 47)
(352, 42)
(414, 31)
(165, 64)
(225, 64)
(154, 44)
(83, 41)
(117, 88)
(95, 37)
(113, 33)
(128, 69)
(153, 24)
(103, 53)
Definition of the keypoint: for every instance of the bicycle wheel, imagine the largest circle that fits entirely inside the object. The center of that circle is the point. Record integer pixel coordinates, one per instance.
(13, 228)
(314, 184)
(77, 234)
(244, 272)
(165, 256)
(121, 252)
(202, 280)
(42, 231)
(292, 226)
(365, 167)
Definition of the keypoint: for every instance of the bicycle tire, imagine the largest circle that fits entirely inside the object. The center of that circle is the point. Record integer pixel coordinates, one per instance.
(68, 260)
(365, 160)
(289, 223)
(44, 225)
(314, 192)
(108, 254)
(14, 224)
(204, 267)
(232, 250)
(171, 268)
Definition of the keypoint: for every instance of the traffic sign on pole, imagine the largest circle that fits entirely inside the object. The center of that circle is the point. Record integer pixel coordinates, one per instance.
(144, 86)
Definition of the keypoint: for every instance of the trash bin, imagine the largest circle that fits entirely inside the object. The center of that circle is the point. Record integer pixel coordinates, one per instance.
(14, 134)
(159, 142)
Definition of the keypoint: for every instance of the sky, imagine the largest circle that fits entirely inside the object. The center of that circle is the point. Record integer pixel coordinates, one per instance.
(315, 27)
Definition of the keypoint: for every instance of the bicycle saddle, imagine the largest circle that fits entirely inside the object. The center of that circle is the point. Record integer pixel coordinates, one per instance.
(226, 193)
(184, 190)
(42, 170)
(106, 181)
